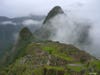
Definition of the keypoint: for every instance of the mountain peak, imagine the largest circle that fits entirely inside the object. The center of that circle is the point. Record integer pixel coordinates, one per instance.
(53, 12)
(25, 33)
(57, 9)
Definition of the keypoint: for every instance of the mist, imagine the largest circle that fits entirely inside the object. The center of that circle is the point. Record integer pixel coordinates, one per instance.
(80, 27)
(80, 32)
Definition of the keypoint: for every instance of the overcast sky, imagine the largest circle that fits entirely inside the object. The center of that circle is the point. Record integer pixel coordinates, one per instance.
(24, 7)
(85, 8)
(41, 7)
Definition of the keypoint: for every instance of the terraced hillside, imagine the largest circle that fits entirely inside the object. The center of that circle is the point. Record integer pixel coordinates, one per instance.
(53, 58)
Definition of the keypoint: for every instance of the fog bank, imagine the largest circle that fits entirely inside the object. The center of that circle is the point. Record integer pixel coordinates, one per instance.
(69, 29)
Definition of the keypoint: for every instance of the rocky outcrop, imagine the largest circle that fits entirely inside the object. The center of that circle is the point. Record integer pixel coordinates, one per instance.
(55, 11)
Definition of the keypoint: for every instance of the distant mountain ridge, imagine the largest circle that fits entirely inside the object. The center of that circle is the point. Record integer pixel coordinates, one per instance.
(20, 19)
(10, 27)
(3, 18)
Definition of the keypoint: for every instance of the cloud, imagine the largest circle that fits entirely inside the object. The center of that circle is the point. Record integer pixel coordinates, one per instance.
(25, 7)
(78, 31)
(8, 22)
(87, 9)
(30, 22)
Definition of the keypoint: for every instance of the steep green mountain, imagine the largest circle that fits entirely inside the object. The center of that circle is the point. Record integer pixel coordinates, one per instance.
(55, 11)
(46, 30)
(25, 37)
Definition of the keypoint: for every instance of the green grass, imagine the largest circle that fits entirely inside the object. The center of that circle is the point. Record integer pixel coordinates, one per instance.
(96, 63)
(54, 50)
(55, 68)
(76, 68)
(63, 56)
